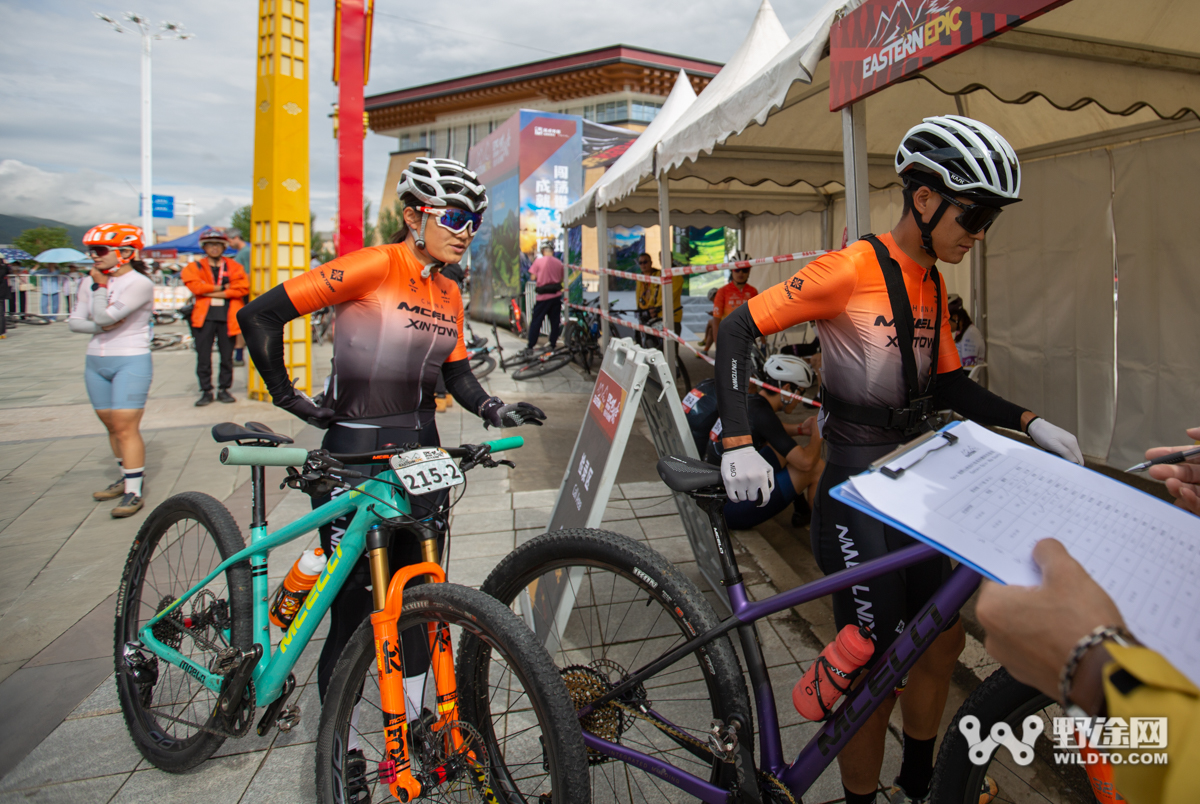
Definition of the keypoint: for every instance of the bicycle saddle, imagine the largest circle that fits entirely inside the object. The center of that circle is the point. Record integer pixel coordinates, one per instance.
(688, 474)
(252, 432)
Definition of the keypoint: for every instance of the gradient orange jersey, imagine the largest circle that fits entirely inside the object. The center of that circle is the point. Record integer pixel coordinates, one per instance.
(845, 294)
(393, 331)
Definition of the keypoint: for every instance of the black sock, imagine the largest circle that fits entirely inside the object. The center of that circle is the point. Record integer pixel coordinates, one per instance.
(859, 798)
(916, 771)
(237, 354)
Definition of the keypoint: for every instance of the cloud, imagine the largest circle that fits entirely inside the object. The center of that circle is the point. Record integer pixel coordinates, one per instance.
(69, 86)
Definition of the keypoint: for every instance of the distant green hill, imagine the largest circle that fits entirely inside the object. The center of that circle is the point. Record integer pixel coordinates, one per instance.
(13, 225)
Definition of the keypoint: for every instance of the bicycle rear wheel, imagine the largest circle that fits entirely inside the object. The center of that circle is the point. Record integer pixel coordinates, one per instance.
(630, 606)
(508, 692)
(1001, 698)
(482, 365)
(169, 714)
(543, 364)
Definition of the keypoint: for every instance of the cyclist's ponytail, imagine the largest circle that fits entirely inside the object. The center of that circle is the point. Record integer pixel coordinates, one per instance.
(401, 234)
(140, 267)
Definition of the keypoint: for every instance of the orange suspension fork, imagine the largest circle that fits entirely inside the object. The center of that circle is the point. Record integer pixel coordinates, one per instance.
(388, 605)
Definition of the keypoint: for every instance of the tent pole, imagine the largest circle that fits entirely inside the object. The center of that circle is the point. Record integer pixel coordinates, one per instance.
(668, 290)
(602, 262)
(854, 161)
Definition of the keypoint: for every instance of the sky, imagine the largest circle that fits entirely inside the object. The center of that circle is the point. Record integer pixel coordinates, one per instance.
(70, 88)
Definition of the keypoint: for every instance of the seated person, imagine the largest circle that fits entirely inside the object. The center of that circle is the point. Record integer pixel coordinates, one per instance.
(649, 294)
(971, 347)
(710, 334)
(700, 408)
(796, 468)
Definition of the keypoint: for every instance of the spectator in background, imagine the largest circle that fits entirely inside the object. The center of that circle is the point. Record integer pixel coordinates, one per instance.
(219, 285)
(49, 285)
(5, 270)
(710, 329)
(649, 294)
(732, 296)
(971, 347)
(547, 273)
(242, 258)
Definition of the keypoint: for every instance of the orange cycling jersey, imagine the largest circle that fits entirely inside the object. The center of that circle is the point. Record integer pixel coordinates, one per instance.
(394, 329)
(730, 297)
(845, 293)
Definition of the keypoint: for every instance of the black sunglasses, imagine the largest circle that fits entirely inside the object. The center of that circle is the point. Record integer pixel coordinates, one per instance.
(100, 251)
(975, 218)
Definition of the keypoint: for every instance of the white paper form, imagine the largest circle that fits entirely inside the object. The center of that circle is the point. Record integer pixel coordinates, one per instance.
(988, 500)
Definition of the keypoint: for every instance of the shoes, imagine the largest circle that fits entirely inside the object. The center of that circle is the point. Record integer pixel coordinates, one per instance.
(129, 505)
(224, 396)
(238, 363)
(357, 789)
(443, 403)
(897, 795)
(801, 513)
(989, 791)
(206, 398)
(117, 489)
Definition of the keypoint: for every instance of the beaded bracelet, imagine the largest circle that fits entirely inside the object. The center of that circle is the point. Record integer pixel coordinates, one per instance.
(1100, 633)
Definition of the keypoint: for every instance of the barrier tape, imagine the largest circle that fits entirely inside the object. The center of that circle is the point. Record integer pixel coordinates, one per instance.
(683, 270)
(694, 350)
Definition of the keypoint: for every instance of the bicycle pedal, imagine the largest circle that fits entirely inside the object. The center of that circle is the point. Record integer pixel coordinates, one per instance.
(224, 662)
(289, 718)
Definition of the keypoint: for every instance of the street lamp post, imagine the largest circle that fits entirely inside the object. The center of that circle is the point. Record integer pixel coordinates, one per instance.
(170, 30)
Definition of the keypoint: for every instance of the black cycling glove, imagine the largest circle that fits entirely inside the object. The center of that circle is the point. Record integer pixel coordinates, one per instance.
(497, 414)
(298, 404)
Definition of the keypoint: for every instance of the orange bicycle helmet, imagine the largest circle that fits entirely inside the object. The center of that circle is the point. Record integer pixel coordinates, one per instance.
(115, 235)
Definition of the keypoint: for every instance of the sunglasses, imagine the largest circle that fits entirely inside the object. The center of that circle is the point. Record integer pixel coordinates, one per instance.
(455, 220)
(975, 218)
(100, 251)
(740, 271)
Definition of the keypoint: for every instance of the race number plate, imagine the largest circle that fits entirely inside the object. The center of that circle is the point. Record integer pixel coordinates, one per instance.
(425, 470)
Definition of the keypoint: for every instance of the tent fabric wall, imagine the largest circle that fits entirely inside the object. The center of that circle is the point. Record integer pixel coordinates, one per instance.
(1158, 341)
(771, 235)
(1050, 297)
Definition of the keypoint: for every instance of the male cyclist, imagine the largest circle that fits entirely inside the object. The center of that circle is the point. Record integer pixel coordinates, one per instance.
(731, 296)
(889, 362)
(399, 322)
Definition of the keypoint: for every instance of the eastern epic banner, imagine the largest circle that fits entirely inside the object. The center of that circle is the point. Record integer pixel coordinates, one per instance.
(883, 41)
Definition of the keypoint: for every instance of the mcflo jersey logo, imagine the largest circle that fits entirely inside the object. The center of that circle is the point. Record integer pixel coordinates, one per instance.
(982, 748)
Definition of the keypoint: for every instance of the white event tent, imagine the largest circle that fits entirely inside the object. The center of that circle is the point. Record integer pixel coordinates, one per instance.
(1084, 290)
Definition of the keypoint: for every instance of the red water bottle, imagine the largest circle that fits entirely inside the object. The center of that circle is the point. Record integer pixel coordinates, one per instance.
(830, 675)
(301, 578)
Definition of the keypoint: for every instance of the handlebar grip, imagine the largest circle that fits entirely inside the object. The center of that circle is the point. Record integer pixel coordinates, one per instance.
(501, 444)
(263, 456)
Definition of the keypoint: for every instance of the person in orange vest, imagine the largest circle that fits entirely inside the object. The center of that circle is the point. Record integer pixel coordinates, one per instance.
(219, 285)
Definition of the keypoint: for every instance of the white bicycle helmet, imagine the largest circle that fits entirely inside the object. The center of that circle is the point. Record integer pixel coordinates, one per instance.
(969, 157)
(786, 368)
(443, 183)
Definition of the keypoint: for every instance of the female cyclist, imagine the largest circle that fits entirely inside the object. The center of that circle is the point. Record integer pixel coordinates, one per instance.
(399, 322)
(115, 307)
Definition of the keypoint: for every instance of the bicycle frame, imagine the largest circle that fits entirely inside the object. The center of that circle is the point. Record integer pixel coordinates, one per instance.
(272, 670)
(854, 709)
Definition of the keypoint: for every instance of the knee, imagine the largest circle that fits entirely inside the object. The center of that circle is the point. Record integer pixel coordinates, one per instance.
(948, 647)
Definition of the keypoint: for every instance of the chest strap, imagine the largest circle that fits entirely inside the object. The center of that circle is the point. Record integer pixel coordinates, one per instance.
(918, 410)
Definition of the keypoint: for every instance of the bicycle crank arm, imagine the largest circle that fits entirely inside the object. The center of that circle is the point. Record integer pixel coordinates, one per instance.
(231, 697)
(273, 708)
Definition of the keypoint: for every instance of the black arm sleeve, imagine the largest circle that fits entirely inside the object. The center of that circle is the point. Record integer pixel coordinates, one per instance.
(766, 427)
(957, 391)
(262, 322)
(462, 385)
(733, 368)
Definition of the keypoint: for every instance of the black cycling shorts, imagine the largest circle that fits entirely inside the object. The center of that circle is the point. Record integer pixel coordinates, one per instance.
(845, 537)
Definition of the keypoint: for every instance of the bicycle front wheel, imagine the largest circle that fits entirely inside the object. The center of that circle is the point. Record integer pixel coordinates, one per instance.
(1003, 699)
(544, 364)
(606, 606)
(482, 365)
(169, 714)
(508, 693)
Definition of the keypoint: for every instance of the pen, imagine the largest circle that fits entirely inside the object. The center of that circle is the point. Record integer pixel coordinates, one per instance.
(1174, 457)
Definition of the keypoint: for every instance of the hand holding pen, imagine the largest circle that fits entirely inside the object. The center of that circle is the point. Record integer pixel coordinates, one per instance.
(1182, 478)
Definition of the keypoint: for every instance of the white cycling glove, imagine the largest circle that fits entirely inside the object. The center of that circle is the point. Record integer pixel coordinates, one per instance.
(747, 475)
(1055, 439)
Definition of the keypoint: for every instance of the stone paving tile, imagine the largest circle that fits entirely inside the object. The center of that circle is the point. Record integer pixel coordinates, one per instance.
(487, 522)
(478, 545)
(532, 517)
(109, 750)
(534, 499)
(287, 777)
(220, 780)
(660, 527)
(478, 504)
(86, 791)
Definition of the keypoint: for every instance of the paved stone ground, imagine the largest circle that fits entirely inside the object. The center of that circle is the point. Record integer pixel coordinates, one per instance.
(62, 737)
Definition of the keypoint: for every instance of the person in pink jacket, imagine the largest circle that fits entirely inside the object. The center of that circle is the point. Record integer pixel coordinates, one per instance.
(547, 272)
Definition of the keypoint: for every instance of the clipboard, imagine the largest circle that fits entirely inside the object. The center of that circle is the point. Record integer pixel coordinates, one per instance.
(846, 493)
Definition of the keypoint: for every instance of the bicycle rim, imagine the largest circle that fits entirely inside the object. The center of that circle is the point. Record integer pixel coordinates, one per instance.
(543, 365)
(513, 728)
(482, 366)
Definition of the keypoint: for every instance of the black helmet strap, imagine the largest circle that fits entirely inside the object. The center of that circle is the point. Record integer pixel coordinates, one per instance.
(926, 228)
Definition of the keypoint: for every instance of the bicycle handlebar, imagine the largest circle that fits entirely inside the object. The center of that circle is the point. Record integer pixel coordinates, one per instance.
(294, 456)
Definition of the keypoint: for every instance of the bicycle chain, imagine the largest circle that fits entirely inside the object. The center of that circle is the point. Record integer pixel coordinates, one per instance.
(247, 696)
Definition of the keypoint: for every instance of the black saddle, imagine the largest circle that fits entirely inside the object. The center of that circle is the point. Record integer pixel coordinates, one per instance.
(253, 434)
(688, 474)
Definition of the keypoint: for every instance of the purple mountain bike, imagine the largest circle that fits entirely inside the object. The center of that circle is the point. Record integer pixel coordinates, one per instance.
(659, 689)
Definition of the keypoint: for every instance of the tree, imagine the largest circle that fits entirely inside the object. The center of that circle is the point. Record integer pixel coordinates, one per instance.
(391, 221)
(368, 226)
(241, 221)
(35, 241)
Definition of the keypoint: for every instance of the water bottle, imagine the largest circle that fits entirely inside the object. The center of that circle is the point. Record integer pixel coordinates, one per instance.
(290, 595)
(830, 675)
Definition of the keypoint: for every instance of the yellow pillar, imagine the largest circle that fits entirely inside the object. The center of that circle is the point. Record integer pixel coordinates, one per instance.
(279, 233)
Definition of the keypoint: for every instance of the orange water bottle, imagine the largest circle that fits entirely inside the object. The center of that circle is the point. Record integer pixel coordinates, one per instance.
(290, 595)
(830, 675)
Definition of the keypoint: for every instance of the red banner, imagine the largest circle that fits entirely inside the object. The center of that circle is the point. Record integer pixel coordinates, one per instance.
(608, 397)
(883, 41)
